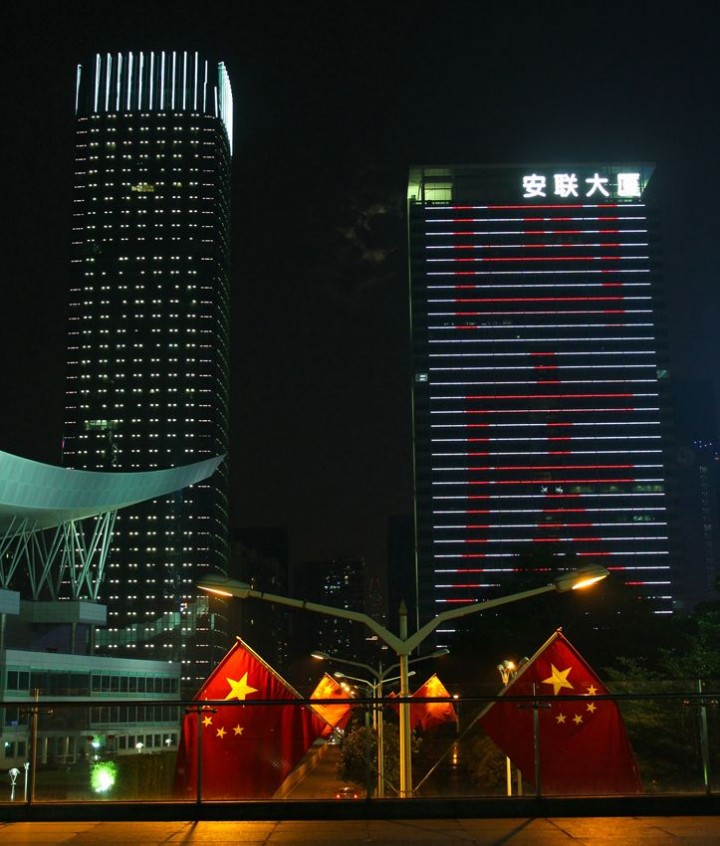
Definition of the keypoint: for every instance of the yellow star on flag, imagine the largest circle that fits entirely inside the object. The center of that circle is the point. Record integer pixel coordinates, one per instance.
(238, 729)
(592, 690)
(239, 689)
(221, 732)
(560, 718)
(577, 719)
(207, 721)
(592, 707)
(558, 679)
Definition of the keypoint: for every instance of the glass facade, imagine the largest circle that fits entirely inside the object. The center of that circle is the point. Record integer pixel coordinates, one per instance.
(539, 393)
(148, 336)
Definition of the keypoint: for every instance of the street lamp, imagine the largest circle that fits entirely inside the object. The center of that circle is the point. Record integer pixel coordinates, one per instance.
(13, 773)
(508, 670)
(402, 644)
(375, 689)
(380, 677)
(378, 674)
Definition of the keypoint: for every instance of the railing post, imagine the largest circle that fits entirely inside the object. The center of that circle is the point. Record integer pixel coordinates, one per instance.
(198, 770)
(33, 748)
(199, 710)
(536, 743)
(368, 779)
(704, 741)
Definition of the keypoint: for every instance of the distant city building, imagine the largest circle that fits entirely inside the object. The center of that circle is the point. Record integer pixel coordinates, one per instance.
(147, 343)
(339, 583)
(260, 558)
(540, 385)
(66, 734)
(697, 506)
(55, 535)
(402, 576)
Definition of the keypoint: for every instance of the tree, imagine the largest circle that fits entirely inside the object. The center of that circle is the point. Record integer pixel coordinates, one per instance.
(358, 762)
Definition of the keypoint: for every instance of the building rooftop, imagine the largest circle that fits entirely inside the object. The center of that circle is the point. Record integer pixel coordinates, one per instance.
(35, 496)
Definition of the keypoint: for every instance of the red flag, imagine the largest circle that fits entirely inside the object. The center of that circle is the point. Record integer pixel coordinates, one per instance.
(583, 746)
(336, 716)
(429, 715)
(247, 750)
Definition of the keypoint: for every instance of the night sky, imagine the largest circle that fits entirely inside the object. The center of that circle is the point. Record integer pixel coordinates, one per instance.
(333, 102)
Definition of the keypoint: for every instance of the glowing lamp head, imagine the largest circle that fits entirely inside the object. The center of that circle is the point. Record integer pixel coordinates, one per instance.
(581, 578)
(222, 585)
(586, 582)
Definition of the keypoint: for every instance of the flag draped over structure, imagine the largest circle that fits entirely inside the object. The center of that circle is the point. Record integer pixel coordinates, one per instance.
(247, 750)
(429, 715)
(583, 746)
(336, 716)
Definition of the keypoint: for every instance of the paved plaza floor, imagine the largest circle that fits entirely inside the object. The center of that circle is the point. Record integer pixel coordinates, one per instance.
(542, 831)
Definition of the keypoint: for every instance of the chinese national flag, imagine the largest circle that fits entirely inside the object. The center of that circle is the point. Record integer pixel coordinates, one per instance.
(429, 715)
(584, 748)
(336, 716)
(247, 750)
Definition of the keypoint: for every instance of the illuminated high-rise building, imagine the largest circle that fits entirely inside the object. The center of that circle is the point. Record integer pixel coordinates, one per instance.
(540, 389)
(147, 355)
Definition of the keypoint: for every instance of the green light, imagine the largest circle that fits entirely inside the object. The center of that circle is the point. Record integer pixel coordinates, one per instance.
(102, 776)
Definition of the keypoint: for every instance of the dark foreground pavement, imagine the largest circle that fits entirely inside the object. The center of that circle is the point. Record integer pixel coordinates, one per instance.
(538, 831)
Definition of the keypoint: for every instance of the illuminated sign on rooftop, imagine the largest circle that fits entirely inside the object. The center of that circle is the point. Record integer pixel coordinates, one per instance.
(567, 185)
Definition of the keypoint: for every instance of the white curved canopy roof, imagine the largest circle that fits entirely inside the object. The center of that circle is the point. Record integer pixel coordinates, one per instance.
(46, 496)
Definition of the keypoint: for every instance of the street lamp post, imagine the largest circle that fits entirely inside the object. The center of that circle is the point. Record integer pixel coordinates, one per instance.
(376, 694)
(507, 670)
(375, 689)
(403, 645)
(380, 677)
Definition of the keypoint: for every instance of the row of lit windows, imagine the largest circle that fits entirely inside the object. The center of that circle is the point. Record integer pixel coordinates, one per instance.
(130, 142)
(178, 127)
(141, 197)
(145, 211)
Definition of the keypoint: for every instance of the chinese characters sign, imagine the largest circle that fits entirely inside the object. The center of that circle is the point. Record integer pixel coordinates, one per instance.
(568, 185)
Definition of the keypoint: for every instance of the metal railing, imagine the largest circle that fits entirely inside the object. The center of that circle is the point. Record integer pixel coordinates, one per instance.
(156, 751)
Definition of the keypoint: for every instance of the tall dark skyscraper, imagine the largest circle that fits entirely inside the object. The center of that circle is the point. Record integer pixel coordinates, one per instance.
(147, 344)
(540, 390)
(697, 470)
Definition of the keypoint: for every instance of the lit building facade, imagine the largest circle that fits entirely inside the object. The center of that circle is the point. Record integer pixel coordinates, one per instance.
(540, 393)
(147, 356)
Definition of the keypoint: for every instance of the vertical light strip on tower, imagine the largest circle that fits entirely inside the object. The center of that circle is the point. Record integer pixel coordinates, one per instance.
(98, 66)
(78, 76)
(130, 81)
(184, 96)
(108, 74)
(141, 65)
(205, 82)
(118, 82)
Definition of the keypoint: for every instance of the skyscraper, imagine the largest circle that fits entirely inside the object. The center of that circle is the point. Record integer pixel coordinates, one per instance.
(147, 349)
(539, 393)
